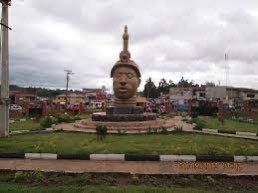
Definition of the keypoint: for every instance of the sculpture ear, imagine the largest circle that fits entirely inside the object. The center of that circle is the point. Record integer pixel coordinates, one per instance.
(139, 82)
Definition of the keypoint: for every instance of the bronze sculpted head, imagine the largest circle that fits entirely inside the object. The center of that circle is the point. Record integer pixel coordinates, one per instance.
(125, 82)
(126, 76)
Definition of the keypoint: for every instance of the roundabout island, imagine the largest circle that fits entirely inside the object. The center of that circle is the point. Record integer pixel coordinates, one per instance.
(124, 115)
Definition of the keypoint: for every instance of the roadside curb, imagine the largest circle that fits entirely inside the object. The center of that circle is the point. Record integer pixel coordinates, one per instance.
(237, 133)
(130, 157)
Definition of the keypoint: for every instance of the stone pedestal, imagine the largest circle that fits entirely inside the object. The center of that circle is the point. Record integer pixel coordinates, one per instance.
(124, 110)
(102, 116)
(125, 103)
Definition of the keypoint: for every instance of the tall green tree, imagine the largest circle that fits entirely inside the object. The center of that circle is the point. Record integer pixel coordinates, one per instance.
(150, 89)
(163, 86)
(185, 83)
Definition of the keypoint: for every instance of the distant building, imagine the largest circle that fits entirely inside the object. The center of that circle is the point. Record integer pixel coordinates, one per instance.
(248, 94)
(227, 93)
(180, 95)
(18, 97)
(71, 98)
(199, 93)
(94, 93)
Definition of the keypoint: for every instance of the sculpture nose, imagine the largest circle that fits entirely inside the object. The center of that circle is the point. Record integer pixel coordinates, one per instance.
(122, 81)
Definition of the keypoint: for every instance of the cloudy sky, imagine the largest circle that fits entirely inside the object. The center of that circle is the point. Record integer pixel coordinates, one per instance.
(168, 39)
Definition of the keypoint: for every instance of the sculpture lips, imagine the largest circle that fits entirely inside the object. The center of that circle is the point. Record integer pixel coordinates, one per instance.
(122, 90)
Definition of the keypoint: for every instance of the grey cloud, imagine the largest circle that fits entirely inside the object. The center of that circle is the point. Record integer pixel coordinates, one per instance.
(168, 37)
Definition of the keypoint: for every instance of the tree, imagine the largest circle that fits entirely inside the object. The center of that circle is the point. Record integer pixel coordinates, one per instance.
(171, 84)
(185, 83)
(163, 86)
(210, 84)
(150, 90)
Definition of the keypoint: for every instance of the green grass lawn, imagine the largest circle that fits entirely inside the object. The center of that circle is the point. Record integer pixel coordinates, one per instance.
(32, 125)
(10, 188)
(229, 125)
(25, 125)
(182, 143)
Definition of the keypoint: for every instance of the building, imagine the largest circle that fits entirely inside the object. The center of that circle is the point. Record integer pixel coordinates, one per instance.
(221, 93)
(248, 94)
(94, 93)
(18, 97)
(199, 93)
(236, 95)
(180, 95)
(72, 98)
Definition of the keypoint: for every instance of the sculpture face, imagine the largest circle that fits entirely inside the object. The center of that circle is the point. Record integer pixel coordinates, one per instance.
(125, 82)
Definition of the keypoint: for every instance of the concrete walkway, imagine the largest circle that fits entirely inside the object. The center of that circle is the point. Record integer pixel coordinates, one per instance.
(131, 167)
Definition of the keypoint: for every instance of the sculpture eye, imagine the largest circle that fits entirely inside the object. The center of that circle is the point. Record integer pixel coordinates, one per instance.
(129, 75)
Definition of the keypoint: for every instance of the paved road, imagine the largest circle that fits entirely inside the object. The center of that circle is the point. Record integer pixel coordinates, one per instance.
(147, 167)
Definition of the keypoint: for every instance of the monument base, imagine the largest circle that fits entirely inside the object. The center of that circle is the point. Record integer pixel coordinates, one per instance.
(126, 126)
(124, 110)
(102, 116)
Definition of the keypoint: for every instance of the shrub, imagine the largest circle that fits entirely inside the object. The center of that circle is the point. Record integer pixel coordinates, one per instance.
(32, 176)
(101, 131)
(178, 129)
(200, 124)
(77, 117)
(135, 179)
(211, 180)
(19, 176)
(215, 115)
(194, 114)
(163, 130)
(48, 121)
(64, 119)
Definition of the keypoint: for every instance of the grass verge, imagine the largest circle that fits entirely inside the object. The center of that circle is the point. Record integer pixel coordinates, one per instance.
(179, 143)
(28, 124)
(229, 125)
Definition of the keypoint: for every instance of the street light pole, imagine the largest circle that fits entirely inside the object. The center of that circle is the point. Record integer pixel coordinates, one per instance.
(4, 99)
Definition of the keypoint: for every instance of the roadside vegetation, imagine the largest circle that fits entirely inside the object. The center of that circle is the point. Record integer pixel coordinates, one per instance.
(176, 143)
(29, 124)
(36, 181)
(229, 125)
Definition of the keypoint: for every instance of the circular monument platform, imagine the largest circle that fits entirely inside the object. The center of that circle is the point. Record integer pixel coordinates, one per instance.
(125, 115)
(103, 116)
(126, 126)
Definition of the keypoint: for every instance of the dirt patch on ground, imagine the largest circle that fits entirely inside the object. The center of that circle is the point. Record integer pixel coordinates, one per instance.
(209, 182)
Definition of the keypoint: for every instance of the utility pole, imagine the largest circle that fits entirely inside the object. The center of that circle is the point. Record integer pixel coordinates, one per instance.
(226, 69)
(4, 98)
(68, 73)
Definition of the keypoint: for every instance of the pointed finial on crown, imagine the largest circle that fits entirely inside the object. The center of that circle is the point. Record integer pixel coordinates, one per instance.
(125, 54)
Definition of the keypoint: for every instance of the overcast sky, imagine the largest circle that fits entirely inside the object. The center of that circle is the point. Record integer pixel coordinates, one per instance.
(168, 39)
